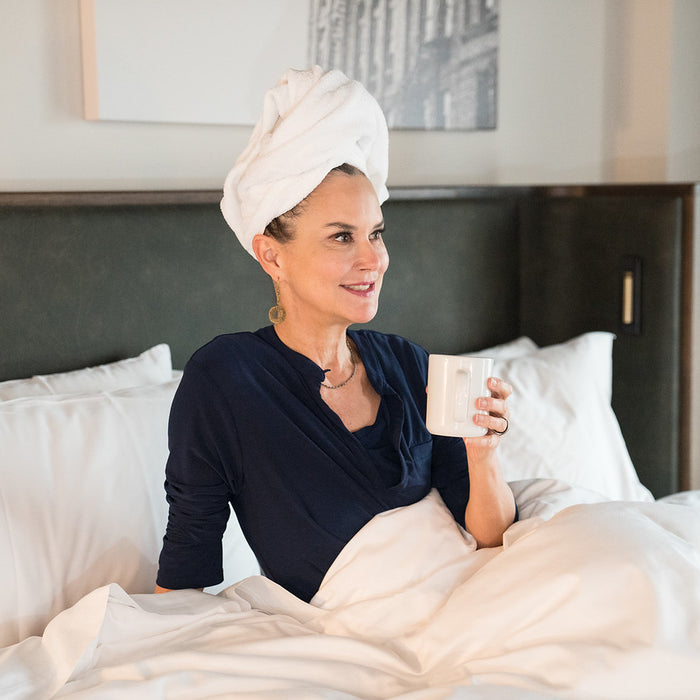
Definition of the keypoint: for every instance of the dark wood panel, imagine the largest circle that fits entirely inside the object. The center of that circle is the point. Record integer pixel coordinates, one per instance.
(574, 242)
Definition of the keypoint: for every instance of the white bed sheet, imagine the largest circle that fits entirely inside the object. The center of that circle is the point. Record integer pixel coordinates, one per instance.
(599, 599)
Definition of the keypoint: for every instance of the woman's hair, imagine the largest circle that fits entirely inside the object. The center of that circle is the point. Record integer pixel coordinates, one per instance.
(281, 228)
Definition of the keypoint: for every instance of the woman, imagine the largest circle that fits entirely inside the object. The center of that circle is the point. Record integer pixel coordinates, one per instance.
(307, 428)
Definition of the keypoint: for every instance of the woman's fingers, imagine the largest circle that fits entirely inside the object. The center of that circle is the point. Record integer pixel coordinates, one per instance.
(499, 389)
(496, 422)
(494, 407)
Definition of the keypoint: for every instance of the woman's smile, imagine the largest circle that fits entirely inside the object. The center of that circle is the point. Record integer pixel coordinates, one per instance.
(364, 289)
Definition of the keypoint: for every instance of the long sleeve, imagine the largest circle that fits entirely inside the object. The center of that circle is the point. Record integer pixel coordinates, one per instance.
(197, 487)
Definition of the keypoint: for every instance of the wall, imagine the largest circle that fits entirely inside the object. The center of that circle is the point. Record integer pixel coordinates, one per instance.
(637, 90)
(590, 91)
(684, 132)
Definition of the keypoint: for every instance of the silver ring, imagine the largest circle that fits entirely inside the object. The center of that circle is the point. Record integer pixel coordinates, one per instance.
(501, 432)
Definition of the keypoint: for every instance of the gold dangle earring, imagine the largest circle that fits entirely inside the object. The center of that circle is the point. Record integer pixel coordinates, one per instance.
(277, 314)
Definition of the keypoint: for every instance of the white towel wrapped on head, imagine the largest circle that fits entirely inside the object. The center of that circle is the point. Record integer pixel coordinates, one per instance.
(312, 121)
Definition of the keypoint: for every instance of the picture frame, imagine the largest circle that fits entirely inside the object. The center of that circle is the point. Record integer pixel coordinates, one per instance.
(431, 64)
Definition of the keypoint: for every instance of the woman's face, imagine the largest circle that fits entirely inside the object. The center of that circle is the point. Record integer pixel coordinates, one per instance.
(332, 269)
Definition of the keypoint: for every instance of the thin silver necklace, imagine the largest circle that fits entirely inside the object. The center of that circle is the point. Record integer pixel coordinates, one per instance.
(352, 374)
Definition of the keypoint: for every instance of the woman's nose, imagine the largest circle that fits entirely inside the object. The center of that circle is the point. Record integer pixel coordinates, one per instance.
(371, 254)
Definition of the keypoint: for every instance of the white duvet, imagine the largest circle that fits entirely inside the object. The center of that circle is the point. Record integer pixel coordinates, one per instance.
(593, 600)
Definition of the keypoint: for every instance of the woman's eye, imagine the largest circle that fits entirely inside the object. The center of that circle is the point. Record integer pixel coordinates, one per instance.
(343, 237)
(378, 234)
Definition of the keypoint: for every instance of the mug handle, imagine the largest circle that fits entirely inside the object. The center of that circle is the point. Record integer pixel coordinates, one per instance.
(463, 380)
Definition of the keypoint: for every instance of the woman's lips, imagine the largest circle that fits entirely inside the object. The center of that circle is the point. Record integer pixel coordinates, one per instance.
(364, 290)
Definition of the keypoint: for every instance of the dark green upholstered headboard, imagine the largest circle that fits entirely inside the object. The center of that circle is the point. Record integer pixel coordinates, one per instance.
(91, 277)
(453, 279)
(87, 278)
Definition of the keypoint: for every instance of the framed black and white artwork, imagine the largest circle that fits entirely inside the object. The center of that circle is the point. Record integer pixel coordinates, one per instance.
(431, 64)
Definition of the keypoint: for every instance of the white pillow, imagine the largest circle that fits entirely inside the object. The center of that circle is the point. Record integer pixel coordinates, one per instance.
(151, 367)
(562, 425)
(544, 498)
(83, 502)
(513, 348)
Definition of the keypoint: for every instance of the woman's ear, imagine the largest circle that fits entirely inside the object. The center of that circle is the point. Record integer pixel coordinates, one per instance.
(265, 249)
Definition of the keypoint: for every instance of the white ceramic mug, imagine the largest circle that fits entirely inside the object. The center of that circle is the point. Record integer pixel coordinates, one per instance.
(455, 382)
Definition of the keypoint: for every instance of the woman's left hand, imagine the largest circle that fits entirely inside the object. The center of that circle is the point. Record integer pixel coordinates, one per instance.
(496, 422)
(491, 507)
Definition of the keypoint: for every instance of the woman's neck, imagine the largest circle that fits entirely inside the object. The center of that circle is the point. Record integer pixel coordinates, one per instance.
(326, 347)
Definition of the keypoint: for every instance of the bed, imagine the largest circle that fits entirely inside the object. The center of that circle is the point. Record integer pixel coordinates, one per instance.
(587, 298)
